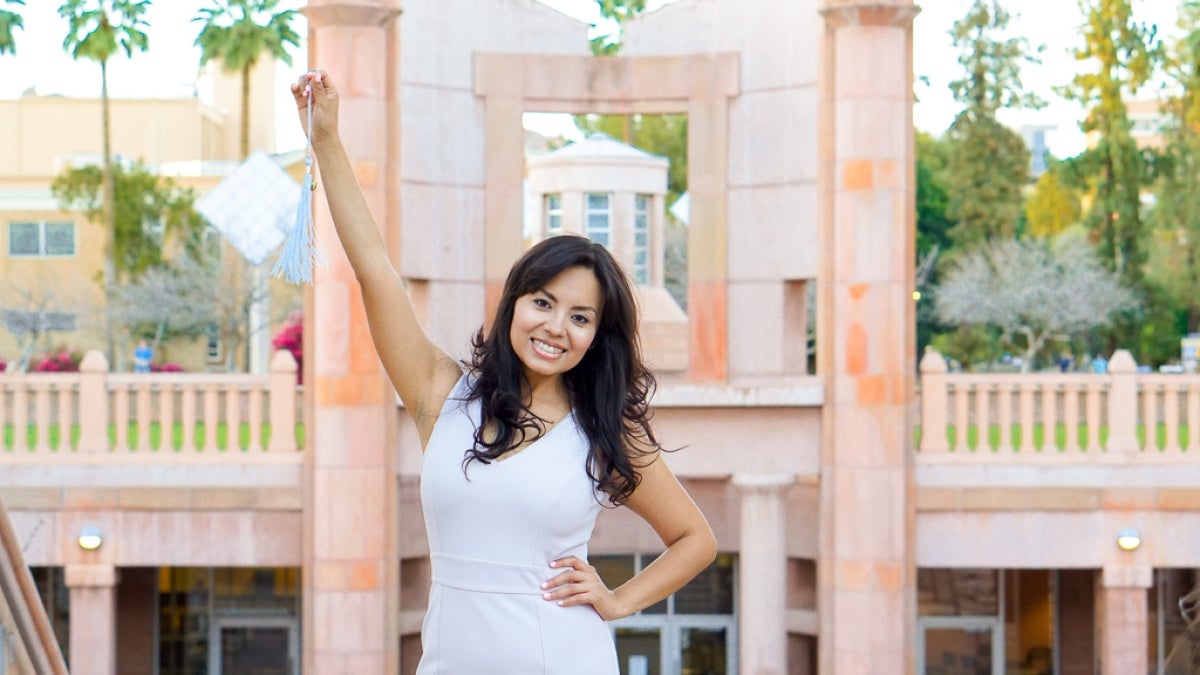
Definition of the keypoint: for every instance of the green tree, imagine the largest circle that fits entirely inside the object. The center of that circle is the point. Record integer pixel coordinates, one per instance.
(933, 227)
(609, 44)
(96, 30)
(9, 21)
(1174, 248)
(153, 213)
(237, 33)
(989, 163)
(1114, 171)
(1053, 207)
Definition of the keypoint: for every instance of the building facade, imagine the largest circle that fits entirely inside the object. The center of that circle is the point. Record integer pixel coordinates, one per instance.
(844, 548)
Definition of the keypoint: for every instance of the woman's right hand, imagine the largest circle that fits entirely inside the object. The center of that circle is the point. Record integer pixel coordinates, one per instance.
(324, 101)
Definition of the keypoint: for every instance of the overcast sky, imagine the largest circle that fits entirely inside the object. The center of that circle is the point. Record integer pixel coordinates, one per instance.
(171, 65)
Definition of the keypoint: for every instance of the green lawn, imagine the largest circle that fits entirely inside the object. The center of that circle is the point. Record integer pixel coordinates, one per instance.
(1039, 437)
(156, 436)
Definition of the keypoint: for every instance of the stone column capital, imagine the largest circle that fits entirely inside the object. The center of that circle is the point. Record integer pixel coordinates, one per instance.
(763, 483)
(844, 13)
(369, 14)
(90, 576)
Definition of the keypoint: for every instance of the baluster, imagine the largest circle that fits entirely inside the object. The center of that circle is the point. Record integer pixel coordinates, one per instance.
(961, 429)
(983, 395)
(4, 400)
(20, 417)
(187, 413)
(166, 417)
(233, 417)
(1171, 417)
(1149, 394)
(121, 415)
(1025, 402)
(1193, 418)
(144, 415)
(1049, 418)
(255, 406)
(66, 416)
(41, 417)
(1071, 418)
(1092, 421)
(1004, 404)
(212, 418)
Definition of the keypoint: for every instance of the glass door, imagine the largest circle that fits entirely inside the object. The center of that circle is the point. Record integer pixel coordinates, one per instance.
(254, 645)
(959, 646)
(640, 651)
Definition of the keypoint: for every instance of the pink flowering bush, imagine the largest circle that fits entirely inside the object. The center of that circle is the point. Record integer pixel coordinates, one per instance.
(166, 368)
(3, 365)
(291, 338)
(60, 362)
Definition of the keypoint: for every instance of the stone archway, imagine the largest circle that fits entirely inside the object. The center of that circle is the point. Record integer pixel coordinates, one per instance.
(699, 85)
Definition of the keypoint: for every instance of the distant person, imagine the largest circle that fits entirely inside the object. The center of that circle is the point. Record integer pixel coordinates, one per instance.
(143, 355)
(524, 443)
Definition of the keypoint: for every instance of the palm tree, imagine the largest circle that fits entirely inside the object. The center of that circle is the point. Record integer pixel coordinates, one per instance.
(237, 33)
(8, 22)
(97, 28)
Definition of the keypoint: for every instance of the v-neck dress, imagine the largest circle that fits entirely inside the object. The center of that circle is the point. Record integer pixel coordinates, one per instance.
(492, 534)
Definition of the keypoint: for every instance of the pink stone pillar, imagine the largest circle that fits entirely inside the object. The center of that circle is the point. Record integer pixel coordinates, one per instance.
(93, 618)
(762, 573)
(1124, 619)
(866, 340)
(351, 567)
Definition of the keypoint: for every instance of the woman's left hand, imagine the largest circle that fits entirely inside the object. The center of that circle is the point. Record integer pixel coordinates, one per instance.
(580, 584)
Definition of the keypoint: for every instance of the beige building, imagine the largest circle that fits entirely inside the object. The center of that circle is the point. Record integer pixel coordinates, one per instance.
(861, 530)
(53, 259)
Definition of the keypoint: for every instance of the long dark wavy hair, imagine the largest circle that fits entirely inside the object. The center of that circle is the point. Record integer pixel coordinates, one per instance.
(608, 390)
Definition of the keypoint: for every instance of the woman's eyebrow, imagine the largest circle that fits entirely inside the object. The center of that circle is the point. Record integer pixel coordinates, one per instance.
(587, 308)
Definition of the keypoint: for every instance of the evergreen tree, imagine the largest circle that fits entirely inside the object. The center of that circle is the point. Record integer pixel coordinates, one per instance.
(989, 163)
(1113, 170)
(1053, 207)
(1174, 250)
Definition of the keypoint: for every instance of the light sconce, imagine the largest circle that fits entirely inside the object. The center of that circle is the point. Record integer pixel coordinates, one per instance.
(1129, 539)
(90, 538)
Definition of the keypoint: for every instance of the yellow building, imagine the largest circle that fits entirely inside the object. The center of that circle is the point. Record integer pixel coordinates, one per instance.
(51, 267)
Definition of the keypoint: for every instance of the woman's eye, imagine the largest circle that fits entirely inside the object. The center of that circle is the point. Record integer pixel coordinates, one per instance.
(541, 302)
(581, 319)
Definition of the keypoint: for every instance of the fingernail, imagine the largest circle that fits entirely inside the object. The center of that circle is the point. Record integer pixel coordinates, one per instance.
(554, 563)
(545, 585)
(560, 603)
(546, 596)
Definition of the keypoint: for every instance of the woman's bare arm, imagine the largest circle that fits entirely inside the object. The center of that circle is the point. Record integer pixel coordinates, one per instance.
(422, 373)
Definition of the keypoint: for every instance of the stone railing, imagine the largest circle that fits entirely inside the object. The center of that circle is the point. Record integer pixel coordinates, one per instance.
(1121, 416)
(98, 415)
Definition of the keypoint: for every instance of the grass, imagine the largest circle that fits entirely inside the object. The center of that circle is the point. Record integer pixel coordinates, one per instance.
(1039, 437)
(156, 436)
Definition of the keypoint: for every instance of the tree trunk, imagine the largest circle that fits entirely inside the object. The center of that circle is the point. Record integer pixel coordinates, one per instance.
(245, 131)
(110, 217)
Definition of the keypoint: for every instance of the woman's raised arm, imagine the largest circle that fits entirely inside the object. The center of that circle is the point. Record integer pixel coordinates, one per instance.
(422, 373)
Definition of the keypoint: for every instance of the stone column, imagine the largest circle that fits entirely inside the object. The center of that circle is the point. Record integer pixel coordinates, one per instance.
(93, 618)
(1124, 619)
(762, 573)
(866, 341)
(351, 567)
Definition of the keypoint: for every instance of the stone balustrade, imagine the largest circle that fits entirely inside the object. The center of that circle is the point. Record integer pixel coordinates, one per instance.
(1121, 416)
(96, 414)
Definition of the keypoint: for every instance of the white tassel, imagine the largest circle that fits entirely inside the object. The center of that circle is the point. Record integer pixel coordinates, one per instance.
(300, 252)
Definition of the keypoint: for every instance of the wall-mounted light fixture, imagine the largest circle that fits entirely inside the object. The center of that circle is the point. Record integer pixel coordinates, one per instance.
(1129, 539)
(90, 538)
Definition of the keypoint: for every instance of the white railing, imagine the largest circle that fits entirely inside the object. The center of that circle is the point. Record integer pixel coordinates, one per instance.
(95, 413)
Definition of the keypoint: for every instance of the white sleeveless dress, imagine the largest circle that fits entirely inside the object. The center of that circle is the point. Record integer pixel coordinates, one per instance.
(492, 534)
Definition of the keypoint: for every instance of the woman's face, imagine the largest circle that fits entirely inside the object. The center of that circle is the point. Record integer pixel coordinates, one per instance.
(553, 327)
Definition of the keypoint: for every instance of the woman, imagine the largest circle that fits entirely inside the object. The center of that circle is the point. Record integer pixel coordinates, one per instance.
(550, 421)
